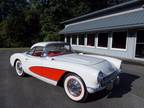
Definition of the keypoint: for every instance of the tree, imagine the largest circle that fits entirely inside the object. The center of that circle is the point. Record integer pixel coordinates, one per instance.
(15, 30)
(24, 22)
(114, 2)
(33, 27)
(3, 34)
(11, 7)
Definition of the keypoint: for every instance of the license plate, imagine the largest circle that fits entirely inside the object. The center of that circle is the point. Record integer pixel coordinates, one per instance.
(109, 86)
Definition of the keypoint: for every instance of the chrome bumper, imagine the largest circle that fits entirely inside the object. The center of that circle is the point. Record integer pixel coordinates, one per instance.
(110, 79)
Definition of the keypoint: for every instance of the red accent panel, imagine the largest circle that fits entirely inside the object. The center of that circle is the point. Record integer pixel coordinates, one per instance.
(54, 74)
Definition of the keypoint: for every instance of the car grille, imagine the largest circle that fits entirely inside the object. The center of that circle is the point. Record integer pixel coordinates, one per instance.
(106, 80)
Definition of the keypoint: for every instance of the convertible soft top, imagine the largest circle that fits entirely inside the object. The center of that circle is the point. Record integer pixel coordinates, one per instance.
(44, 44)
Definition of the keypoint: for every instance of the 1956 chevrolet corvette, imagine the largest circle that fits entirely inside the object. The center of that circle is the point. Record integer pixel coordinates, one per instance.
(80, 74)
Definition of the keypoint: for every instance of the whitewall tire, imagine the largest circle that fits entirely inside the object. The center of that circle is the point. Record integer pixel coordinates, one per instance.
(19, 68)
(75, 88)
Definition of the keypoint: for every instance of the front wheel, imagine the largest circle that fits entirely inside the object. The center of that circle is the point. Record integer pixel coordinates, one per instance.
(19, 68)
(75, 88)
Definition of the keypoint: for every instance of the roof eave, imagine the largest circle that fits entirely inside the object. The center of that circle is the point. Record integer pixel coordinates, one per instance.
(100, 11)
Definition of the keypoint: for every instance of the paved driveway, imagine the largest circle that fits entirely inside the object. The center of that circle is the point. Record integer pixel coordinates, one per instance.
(30, 92)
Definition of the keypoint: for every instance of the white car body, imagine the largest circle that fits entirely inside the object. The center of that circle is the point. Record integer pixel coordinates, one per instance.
(84, 65)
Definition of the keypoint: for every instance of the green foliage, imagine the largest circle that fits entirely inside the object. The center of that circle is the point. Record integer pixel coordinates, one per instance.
(3, 35)
(114, 2)
(33, 27)
(24, 22)
(51, 36)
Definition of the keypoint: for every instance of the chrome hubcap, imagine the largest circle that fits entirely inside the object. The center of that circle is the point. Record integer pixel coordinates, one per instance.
(74, 87)
(19, 68)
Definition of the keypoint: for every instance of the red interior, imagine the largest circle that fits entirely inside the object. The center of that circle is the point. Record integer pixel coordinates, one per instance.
(50, 54)
(37, 54)
(54, 53)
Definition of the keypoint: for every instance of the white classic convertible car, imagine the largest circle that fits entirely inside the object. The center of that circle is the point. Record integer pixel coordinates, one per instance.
(80, 74)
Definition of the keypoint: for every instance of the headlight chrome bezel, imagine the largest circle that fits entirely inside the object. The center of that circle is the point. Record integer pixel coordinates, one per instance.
(100, 77)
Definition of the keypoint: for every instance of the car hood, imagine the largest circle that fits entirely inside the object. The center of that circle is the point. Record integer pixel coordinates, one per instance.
(79, 59)
(93, 62)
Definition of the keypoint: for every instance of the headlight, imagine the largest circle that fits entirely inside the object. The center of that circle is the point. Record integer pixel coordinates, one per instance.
(100, 77)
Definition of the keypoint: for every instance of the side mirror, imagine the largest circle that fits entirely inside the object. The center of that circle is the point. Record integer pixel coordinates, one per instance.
(43, 55)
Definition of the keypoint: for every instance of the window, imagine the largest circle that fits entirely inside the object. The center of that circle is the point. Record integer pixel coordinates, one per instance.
(30, 52)
(140, 44)
(38, 51)
(90, 39)
(140, 37)
(74, 40)
(119, 40)
(58, 49)
(68, 39)
(103, 40)
(81, 39)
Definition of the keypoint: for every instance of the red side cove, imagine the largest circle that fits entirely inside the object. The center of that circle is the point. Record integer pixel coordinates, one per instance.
(53, 74)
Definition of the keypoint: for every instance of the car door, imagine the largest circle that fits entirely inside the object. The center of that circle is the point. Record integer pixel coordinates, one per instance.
(52, 69)
(39, 66)
(33, 59)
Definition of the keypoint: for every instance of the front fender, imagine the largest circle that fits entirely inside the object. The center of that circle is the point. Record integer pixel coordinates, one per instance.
(14, 57)
(116, 62)
(87, 73)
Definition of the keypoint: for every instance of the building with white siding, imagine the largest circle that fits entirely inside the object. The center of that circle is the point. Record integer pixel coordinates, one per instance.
(115, 31)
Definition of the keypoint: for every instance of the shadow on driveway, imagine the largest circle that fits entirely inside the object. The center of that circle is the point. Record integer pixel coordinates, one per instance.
(123, 88)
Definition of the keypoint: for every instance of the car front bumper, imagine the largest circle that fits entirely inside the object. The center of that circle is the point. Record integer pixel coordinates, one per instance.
(107, 83)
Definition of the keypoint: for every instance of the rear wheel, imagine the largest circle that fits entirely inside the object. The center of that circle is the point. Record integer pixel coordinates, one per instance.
(75, 88)
(19, 68)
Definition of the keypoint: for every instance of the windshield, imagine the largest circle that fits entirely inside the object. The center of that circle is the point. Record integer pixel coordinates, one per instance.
(58, 49)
